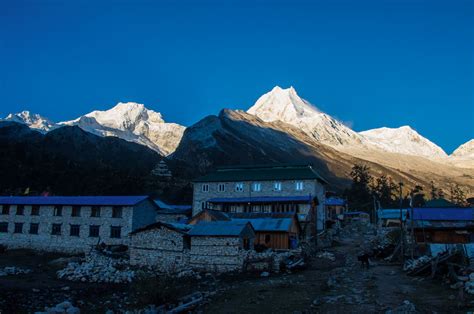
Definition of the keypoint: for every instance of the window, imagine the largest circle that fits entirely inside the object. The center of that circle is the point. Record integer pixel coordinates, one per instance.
(117, 212)
(18, 227)
(115, 232)
(20, 210)
(256, 187)
(76, 211)
(94, 231)
(3, 227)
(56, 229)
(187, 243)
(239, 187)
(5, 209)
(34, 228)
(95, 211)
(221, 187)
(74, 230)
(299, 185)
(277, 186)
(205, 187)
(246, 244)
(58, 210)
(267, 239)
(35, 209)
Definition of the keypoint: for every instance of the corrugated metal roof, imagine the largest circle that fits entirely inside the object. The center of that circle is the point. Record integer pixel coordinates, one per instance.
(262, 173)
(218, 228)
(445, 214)
(335, 201)
(73, 200)
(164, 205)
(260, 199)
(392, 213)
(269, 224)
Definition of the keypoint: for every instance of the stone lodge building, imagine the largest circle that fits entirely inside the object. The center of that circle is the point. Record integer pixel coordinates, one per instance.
(263, 189)
(72, 223)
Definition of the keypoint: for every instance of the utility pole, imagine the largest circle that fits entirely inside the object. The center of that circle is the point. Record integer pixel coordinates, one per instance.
(402, 253)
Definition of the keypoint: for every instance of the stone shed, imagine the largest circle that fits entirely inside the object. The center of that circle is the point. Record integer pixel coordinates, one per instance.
(163, 246)
(220, 246)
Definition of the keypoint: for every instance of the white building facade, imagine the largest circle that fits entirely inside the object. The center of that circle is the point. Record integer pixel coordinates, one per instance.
(72, 224)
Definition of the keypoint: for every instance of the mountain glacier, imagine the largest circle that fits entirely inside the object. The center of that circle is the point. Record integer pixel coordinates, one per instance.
(34, 121)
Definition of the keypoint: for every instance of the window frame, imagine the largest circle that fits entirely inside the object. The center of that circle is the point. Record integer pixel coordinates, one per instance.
(76, 211)
(255, 185)
(115, 228)
(299, 185)
(205, 188)
(56, 229)
(58, 211)
(239, 187)
(74, 227)
(31, 229)
(277, 186)
(94, 227)
(5, 225)
(96, 211)
(6, 209)
(35, 210)
(117, 211)
(219, 185)
(15, 228)
(20, 210)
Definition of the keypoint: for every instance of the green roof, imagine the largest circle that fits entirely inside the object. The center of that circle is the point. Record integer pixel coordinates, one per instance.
(262, 173)
(439, 203)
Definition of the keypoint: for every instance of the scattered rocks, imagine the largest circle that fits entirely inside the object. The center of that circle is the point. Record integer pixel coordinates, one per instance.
(415, 263)
(406, 308)
(12, 270)
(65, 307)
(326, 255)
(265, 274)
(98, 268)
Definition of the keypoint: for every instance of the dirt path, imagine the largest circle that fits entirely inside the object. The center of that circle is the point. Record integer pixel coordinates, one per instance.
(337, 287)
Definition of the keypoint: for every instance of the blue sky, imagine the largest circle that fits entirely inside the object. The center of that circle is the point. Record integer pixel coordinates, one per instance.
(368, 63)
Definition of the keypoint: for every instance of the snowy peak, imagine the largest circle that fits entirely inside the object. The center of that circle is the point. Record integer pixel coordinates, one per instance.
(133, 122)
(34, 121)
(285, 105)
(466, 150)
(403, 140)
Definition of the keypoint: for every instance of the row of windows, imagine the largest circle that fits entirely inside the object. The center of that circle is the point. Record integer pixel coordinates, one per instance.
(56, 229)
(58, 211)
(256, 186)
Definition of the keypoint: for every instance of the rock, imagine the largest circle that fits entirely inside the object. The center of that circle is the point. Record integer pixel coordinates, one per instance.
(406, 308)
(65, 288)
(265, 274)
(457, 285)
(73, 310)
(316, 302)
(471, 277)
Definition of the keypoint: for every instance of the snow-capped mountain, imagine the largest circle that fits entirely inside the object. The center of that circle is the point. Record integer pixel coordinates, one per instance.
(285, 105)
(34, 121)
(403, 140)
(466, 150)
(133, 122)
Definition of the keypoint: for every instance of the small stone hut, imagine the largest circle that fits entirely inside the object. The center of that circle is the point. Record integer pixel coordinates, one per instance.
(163, 246)
(219, 246)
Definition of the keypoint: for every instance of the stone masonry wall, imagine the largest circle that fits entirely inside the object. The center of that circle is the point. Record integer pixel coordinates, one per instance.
(159, 248)
(44, 240)
(217, 254)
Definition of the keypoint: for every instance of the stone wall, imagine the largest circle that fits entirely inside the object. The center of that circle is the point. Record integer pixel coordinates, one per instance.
(159, 248)
(44, 240)
(216, 254)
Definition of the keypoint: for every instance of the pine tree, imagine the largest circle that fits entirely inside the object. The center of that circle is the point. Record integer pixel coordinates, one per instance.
(359, 195)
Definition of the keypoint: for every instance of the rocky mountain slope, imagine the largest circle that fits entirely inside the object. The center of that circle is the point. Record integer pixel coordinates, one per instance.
(236, 137)
(463, 156)
(70, 161)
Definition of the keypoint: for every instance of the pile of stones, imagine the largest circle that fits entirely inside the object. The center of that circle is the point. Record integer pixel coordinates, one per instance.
(12, 270)
(62, 308)
(469, 284)
(98, 268)
(326, 255)
(415, 263)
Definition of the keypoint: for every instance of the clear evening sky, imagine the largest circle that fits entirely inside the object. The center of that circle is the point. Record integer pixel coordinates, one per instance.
(368, 63)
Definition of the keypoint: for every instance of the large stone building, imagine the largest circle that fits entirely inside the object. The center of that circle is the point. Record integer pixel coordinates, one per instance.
(72, 224)
(268, 189)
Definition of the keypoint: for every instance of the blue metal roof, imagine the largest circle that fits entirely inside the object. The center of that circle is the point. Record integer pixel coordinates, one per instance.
(261, 199)
(269, 224)
(335, 201)
(219, 228)
(72, 200)
(392, 213)
(446, 214)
